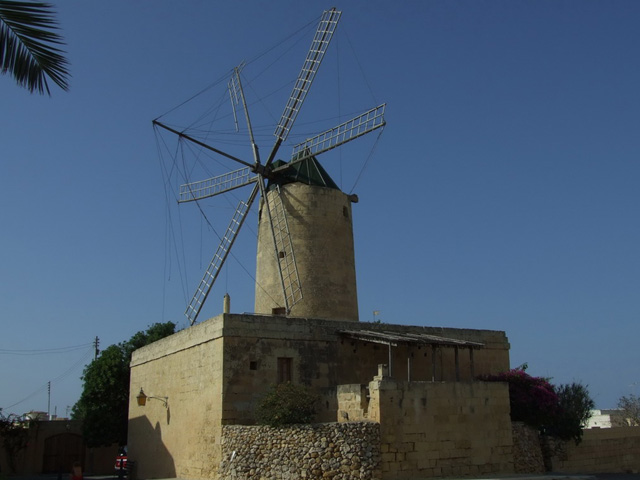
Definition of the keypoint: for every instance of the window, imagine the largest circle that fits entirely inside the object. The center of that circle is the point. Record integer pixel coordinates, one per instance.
(284, 369)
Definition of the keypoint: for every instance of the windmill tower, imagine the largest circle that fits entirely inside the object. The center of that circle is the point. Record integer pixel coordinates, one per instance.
(305, 260)
(319, 221)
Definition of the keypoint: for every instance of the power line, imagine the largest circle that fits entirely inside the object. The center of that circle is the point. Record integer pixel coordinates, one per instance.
(44, 351)
(89, 351)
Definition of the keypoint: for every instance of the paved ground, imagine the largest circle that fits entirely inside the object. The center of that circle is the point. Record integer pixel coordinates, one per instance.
(548, 476)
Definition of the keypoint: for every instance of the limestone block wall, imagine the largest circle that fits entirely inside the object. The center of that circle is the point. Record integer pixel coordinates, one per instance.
(253, 345)
(434, 429)
(183, 439)
(340, 451)
(353, 403)
(322, 359)
(606, 450)
(325, 263)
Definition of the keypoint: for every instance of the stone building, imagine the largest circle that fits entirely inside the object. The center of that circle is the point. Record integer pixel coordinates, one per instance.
(425, 399)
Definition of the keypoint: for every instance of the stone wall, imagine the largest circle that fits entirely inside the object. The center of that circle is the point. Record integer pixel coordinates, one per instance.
(353, 403)
(527, 451)
(436, 429)
(322, 359)
(340, 451)
(606, 450)
(183, 438)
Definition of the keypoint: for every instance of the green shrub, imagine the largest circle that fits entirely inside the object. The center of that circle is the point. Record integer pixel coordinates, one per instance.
(286, 404)
(574, 409)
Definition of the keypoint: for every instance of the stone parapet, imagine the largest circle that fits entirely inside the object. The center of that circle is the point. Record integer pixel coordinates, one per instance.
(183, 340)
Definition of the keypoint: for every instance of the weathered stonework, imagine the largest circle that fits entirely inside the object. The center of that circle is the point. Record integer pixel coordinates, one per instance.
(435, 429)
(606, 450)
(182, 439)
(347, 451)
(527, 451)
(325, 261)
(214, 373)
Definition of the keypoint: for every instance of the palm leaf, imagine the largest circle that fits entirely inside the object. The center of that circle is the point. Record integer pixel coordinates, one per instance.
(28, 45)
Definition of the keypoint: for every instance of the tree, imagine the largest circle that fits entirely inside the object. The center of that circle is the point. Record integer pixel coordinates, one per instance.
(630, 407)
(574, 409)
(29, 46)
(14, 436)
(103, 406)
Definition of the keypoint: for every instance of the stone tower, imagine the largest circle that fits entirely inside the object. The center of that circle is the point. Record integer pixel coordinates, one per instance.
(320, 223)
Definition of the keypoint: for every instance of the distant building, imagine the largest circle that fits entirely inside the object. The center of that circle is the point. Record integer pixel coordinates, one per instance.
(39, 416)
(605, 419)
(53, 447)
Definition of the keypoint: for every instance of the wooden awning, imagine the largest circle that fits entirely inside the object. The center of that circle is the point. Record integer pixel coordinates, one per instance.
(394, 339)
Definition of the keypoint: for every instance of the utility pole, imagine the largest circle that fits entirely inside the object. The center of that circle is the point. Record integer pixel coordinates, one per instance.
(49, 400)
(96, 344)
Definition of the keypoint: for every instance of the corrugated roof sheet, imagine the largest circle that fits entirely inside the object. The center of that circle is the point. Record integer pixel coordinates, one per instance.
(395, 339)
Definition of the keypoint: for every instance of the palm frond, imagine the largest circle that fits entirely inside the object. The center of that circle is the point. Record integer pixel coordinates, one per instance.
(29, 46)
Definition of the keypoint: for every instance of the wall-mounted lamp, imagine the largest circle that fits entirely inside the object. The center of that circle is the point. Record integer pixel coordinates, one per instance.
(142, 399)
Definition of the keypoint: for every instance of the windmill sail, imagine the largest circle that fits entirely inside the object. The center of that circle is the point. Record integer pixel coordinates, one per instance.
(194, 307)
(339, 135)
(319, 46)
(284, 250)
(216, 185)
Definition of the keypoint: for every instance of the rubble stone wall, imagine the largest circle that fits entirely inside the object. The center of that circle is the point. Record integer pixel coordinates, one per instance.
(342, 451)
(527, 451)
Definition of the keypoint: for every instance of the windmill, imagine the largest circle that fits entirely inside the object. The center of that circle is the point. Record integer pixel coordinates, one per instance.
(290, 193)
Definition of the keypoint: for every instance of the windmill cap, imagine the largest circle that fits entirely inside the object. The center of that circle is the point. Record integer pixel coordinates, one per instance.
(308, 171)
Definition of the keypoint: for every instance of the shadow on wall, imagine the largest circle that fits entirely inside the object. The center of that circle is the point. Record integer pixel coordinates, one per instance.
(146, 448)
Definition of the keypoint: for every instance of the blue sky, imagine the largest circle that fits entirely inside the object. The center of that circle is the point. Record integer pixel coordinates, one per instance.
(501, 195)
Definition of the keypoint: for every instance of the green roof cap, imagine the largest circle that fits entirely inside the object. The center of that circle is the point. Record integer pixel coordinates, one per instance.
(308, 171)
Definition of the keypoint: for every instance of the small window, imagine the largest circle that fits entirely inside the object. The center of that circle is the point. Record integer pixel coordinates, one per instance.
(284, 369)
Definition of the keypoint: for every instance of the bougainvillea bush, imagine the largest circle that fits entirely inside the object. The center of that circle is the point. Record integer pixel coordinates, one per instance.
(533, 399)
(558, 411)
